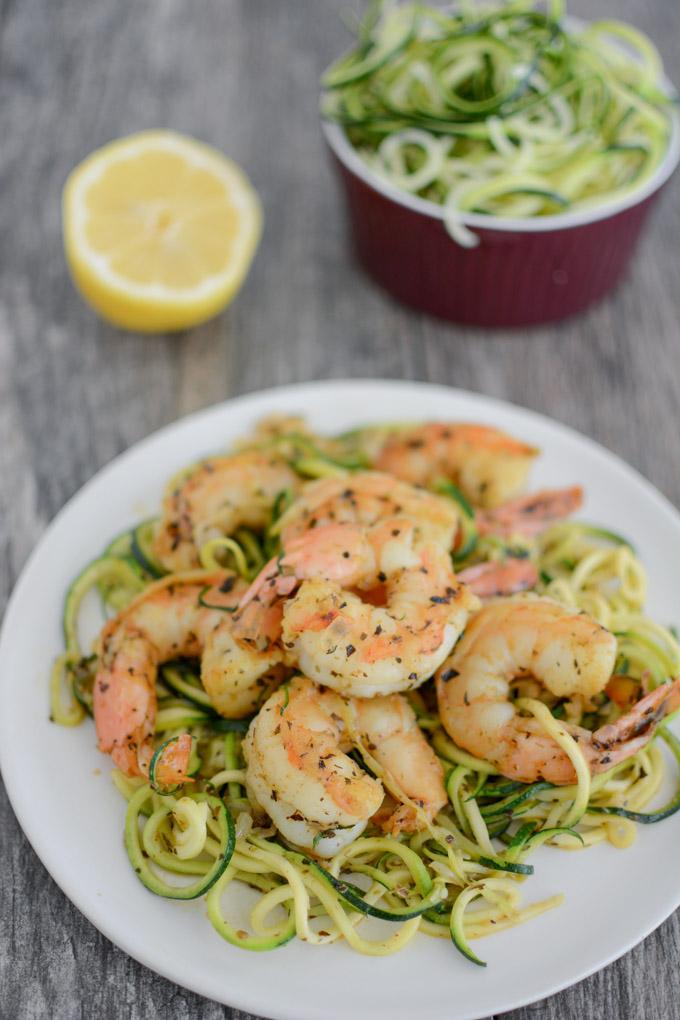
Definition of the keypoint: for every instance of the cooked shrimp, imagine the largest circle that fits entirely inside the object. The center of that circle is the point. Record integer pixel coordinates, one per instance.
(369, 497)
(571, 656)
(530, 514)
(166, 621)
(217, 497)
(348, 641)
(366, 498)
(358, 647)
(489, 580)
(391, 577)
(488, 465)
(298, 770)
(389, 729)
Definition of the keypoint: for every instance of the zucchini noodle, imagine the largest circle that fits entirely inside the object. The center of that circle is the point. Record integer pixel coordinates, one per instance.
(501, 109)
(462, 875)
(209, 560)
(564, 740)
(68, 712)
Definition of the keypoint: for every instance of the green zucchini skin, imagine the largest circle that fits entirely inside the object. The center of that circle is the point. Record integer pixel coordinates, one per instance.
(255, 943)
(82, 681)
(142, 868)
(213, 602)
(95, 572)
(459, 940)
(141, 548)
(607, 535)
(223, 725)
(179, 715)
(183, 680)
(352, 894)
(501, 80)
(643, 817)
(161, 788)
(508, 804)
(354, 70)
(496, 864)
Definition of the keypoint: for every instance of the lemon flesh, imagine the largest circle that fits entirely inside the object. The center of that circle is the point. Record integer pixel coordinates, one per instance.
(159, 231)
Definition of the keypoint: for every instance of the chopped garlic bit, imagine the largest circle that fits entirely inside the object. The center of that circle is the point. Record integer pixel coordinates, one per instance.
(244, 823)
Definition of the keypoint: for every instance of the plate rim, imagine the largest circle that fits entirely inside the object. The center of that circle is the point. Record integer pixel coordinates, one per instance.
(297, 393)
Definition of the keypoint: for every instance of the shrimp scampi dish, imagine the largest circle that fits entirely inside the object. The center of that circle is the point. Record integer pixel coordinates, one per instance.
(368, 676)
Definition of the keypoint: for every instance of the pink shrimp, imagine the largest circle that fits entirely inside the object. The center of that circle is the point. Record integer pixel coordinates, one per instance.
(567, 652)
(389, 729)
(339, 637)
(214, 498)
(367, 498)
(181, 615)
(530, 514)
(488, 465)
(490, 580)
(298, 770)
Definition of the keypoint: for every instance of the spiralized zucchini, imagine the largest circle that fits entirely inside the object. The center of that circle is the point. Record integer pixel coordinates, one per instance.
(501, 108)
(461, 877)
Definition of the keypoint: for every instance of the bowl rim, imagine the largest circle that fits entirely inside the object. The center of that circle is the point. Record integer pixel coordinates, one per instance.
(340, 145)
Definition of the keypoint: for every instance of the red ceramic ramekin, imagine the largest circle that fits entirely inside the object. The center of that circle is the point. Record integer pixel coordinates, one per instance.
(522, 272)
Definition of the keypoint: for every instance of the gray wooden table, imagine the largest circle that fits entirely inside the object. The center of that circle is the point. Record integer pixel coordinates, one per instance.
(242, 75)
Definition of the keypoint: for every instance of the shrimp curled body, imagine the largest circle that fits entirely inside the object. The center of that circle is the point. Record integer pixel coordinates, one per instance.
(571, 656)
(373, 611)
(366, 499)
(299, 773)
(369, 497)
(217, 497)
(489, 466)
(166, 621)
(529, 515)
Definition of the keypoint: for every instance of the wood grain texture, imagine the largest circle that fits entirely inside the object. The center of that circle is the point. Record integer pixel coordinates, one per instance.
(74, 392)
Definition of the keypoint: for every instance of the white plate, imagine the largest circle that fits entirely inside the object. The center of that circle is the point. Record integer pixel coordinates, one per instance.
(59, 786)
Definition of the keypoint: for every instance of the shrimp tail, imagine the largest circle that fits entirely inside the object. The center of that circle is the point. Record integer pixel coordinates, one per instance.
(402, 819)
(641, 720)
(488, 580)
(173, 764)
(334, 551)
(531, 514)
(268, 584)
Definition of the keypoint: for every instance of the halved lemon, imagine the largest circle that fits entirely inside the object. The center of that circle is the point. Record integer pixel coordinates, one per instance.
(159, 230)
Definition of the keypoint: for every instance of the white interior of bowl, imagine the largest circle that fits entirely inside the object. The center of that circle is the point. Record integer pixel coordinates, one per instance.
(350, 158)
